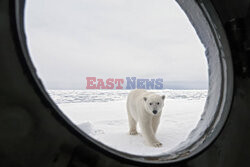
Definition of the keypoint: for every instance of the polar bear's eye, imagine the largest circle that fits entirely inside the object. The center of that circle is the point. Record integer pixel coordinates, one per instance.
(158, 103)
(150, 103)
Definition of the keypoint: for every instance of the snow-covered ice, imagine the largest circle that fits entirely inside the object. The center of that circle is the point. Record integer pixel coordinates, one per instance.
(102, 115)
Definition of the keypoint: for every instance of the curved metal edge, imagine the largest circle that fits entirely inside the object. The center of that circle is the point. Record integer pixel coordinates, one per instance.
(227, 84)
(228, 75)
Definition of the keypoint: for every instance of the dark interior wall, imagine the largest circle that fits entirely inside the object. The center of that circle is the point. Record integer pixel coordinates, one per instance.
(30, 135)
(229, 9)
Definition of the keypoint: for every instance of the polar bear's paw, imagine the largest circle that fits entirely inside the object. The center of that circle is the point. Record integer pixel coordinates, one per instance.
(157, 144)
(133, 132)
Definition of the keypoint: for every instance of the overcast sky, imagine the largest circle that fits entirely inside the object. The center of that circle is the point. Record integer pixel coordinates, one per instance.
(70, 40)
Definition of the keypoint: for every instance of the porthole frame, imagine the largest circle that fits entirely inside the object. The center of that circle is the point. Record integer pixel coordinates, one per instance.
(211, 32)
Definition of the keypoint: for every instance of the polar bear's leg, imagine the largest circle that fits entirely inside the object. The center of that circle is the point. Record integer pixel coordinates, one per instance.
(132, 125)
(155, 123)
(148, 133)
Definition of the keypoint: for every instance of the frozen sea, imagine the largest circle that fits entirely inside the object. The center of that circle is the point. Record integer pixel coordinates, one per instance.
(102, 115)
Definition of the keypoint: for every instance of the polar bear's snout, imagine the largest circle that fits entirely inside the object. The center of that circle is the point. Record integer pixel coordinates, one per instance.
(155, 111)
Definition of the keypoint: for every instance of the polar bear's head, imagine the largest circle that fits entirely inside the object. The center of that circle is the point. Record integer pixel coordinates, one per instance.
(154, 103)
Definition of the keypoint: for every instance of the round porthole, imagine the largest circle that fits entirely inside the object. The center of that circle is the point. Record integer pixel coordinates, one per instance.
(217, 97)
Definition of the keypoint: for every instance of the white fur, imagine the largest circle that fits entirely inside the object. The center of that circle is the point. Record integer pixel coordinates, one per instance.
(139, 110)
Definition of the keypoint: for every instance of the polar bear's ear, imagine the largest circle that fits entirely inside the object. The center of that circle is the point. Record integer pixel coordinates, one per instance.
(163, 97)
(144, 98)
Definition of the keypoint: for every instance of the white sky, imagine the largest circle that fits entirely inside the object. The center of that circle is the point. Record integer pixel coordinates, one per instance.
(70, 40)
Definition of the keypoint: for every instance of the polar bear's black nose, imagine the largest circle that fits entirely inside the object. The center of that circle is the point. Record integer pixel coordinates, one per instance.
(154, 111)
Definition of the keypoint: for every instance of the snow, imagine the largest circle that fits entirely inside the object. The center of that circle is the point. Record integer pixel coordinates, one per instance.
(102, 115)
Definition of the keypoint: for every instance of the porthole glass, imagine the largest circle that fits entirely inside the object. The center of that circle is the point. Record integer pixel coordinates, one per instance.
(91, 54)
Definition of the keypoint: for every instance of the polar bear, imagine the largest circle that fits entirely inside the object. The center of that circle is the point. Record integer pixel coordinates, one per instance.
(145, 108)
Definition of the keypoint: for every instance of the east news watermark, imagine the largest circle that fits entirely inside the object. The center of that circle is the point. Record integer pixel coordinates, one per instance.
(124, 83)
